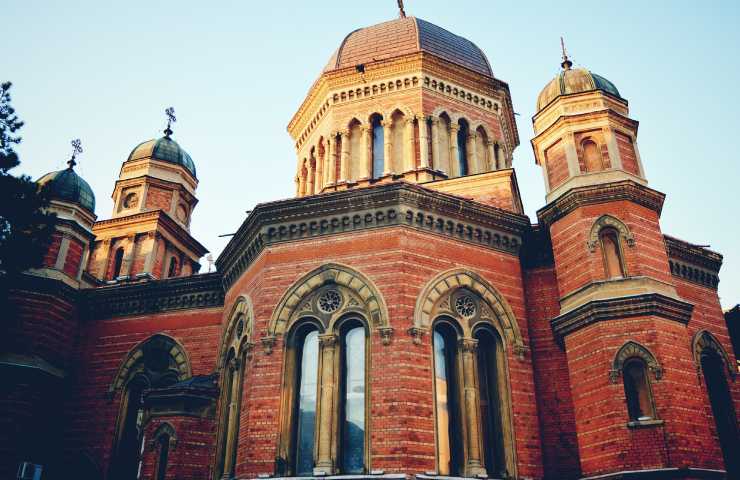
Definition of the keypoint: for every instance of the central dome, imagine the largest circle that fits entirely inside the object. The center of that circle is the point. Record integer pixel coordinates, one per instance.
(166, 150)
(405, 36)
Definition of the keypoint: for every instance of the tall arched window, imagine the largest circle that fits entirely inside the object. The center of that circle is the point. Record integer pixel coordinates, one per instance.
(131, 429)
(449, 421)
(231, 403)
(352, 399)
(462, 148)
(612, 253)
(172, 269)
(490, 363)
(637, 390)
(306, 396)
(378, 146)
(591, 156)
(163, 443)
(723, 410)
(117, 263)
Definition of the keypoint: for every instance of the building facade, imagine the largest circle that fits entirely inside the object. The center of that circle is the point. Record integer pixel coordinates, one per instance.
(400, 317)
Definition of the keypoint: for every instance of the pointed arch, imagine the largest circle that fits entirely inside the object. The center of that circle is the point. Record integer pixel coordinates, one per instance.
(363, 298)
(632, 349)
(178, 362)
(165, 429)
(496, 310)
(613, 222)
(239, 329)
(704, 341)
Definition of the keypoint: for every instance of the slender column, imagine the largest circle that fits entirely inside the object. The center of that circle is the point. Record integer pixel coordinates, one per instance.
(331, 165)
(473, 465)
(409, 160)
(235, 366)
(613, 149)
(344, 165)
(326, 423)
(367, 160)
(62, 253)
(571, 155)
(387, 146)
(435, 144)
(310, 176)
(128, 265)
(83, 261)
(319, 184)
(473, 166)
(423, 141)
(102, 258)
(149, 262)
(301, 179)
(491, 164)
(454, 161)
(297, 181)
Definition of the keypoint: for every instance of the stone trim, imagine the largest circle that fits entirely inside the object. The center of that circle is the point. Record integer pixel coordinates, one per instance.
(605, 221)
(394, 204)
(618, 308)
(596, 194)
(693, 263)
(178, 360)
(632, 349)
(704, 340)
(165, 428)
(156, 296)
(692, 274)
(663, 474)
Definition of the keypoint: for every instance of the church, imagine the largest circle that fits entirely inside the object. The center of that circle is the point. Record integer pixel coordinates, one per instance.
(400, 318)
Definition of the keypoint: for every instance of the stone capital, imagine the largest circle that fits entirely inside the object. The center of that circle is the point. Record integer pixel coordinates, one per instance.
(328, 340)
(468, 345)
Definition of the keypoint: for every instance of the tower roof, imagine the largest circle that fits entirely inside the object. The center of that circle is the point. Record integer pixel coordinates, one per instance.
(67, 186)
(164, 149)
(403, 36)
(574, 80)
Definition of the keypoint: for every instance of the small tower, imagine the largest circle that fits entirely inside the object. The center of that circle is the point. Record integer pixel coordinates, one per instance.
(73, 201)
(148, 235)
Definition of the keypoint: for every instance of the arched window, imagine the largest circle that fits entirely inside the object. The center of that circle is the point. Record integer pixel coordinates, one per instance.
(591, 156)
(378, 146)
(131, 429)
(723, 410)
(490, 363)
(449, 421)
(231, 403)
(306, 397)
(117, 263)
(612, 253)
(352, 398)
(637, 390)
(462, 148)
(172, 269)
(163, 443)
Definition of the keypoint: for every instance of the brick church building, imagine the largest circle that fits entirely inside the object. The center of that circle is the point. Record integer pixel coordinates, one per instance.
(400, 318)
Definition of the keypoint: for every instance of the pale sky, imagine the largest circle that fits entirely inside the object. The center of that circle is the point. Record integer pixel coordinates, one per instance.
(236, 72)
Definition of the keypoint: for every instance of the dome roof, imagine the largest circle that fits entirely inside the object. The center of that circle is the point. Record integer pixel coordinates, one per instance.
(404, 36)
(575, 80)
(164, 149)
(67, 186)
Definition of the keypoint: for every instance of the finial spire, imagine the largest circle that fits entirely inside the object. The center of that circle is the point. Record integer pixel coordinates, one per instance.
(170, 112)
(401, 11)
(566, 61)
(76, 150)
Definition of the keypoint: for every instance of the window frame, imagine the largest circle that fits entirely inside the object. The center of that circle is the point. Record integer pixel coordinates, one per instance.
(611, 231)
(653, 414)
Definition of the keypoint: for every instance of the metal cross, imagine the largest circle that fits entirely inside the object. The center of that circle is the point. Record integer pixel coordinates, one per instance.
(566, 61)
(170, 112)
(400, 7)
(76, 150)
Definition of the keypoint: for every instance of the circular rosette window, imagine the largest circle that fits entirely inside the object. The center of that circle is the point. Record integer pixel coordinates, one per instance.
(329, 302)
(465, 306)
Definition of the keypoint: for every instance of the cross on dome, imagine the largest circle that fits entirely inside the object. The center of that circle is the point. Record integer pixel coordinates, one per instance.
(76, 150)
(170, 112)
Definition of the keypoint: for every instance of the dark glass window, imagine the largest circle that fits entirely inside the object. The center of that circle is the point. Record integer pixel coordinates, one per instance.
(489, 359)
(637, 391)
(172, 270)
(117, 263)
(308, 366)
(378, 147)
(164, 451)
(462, 147)
(449, 438)
(353, 400)
(129, 448)
(723, 411)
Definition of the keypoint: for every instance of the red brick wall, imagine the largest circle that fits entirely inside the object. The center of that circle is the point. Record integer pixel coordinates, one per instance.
(50, 259)
(74, 257)
(192, 456)
(158, 198)
(557, 165)
(400, 262)
(627, 153)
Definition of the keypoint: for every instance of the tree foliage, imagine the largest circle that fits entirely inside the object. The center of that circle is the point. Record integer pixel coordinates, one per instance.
(25, 226)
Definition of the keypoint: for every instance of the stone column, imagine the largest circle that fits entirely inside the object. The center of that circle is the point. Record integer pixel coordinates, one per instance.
(298, 185)
(102, 258)
(491, 164)
(423, 141)
(326, 423)
(331, 166)
(473, 166)
(454, 162)
(435, 143)
(235, 366)
(310, 176)
(128, 261)
(152, 255)
(62, 253)
(611, 145)
(571, 155)
(83, 261)
(319, 183)
(387, 146)
(473, 464)
(409, 160)
(344, 165)
(366, 158)
(301, 180)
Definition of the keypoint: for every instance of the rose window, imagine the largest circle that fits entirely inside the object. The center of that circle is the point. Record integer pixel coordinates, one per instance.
(465, 306)
(330, 301)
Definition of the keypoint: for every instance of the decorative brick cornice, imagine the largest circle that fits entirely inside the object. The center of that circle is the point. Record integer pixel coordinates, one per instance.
(692, 262)
(602, 193)
(157, 296)
(45, 286)
(651, 304)
(394, 204)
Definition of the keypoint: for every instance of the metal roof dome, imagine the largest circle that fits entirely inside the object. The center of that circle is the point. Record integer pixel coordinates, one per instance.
(403, 36)
(574, 80)
(164, 149)
(67, 186)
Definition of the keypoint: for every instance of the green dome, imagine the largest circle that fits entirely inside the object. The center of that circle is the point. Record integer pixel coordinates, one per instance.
(166, 150)
(576, 80)
(67, 186)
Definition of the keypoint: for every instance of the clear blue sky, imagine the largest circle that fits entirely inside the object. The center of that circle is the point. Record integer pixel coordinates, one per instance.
(236, 72)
